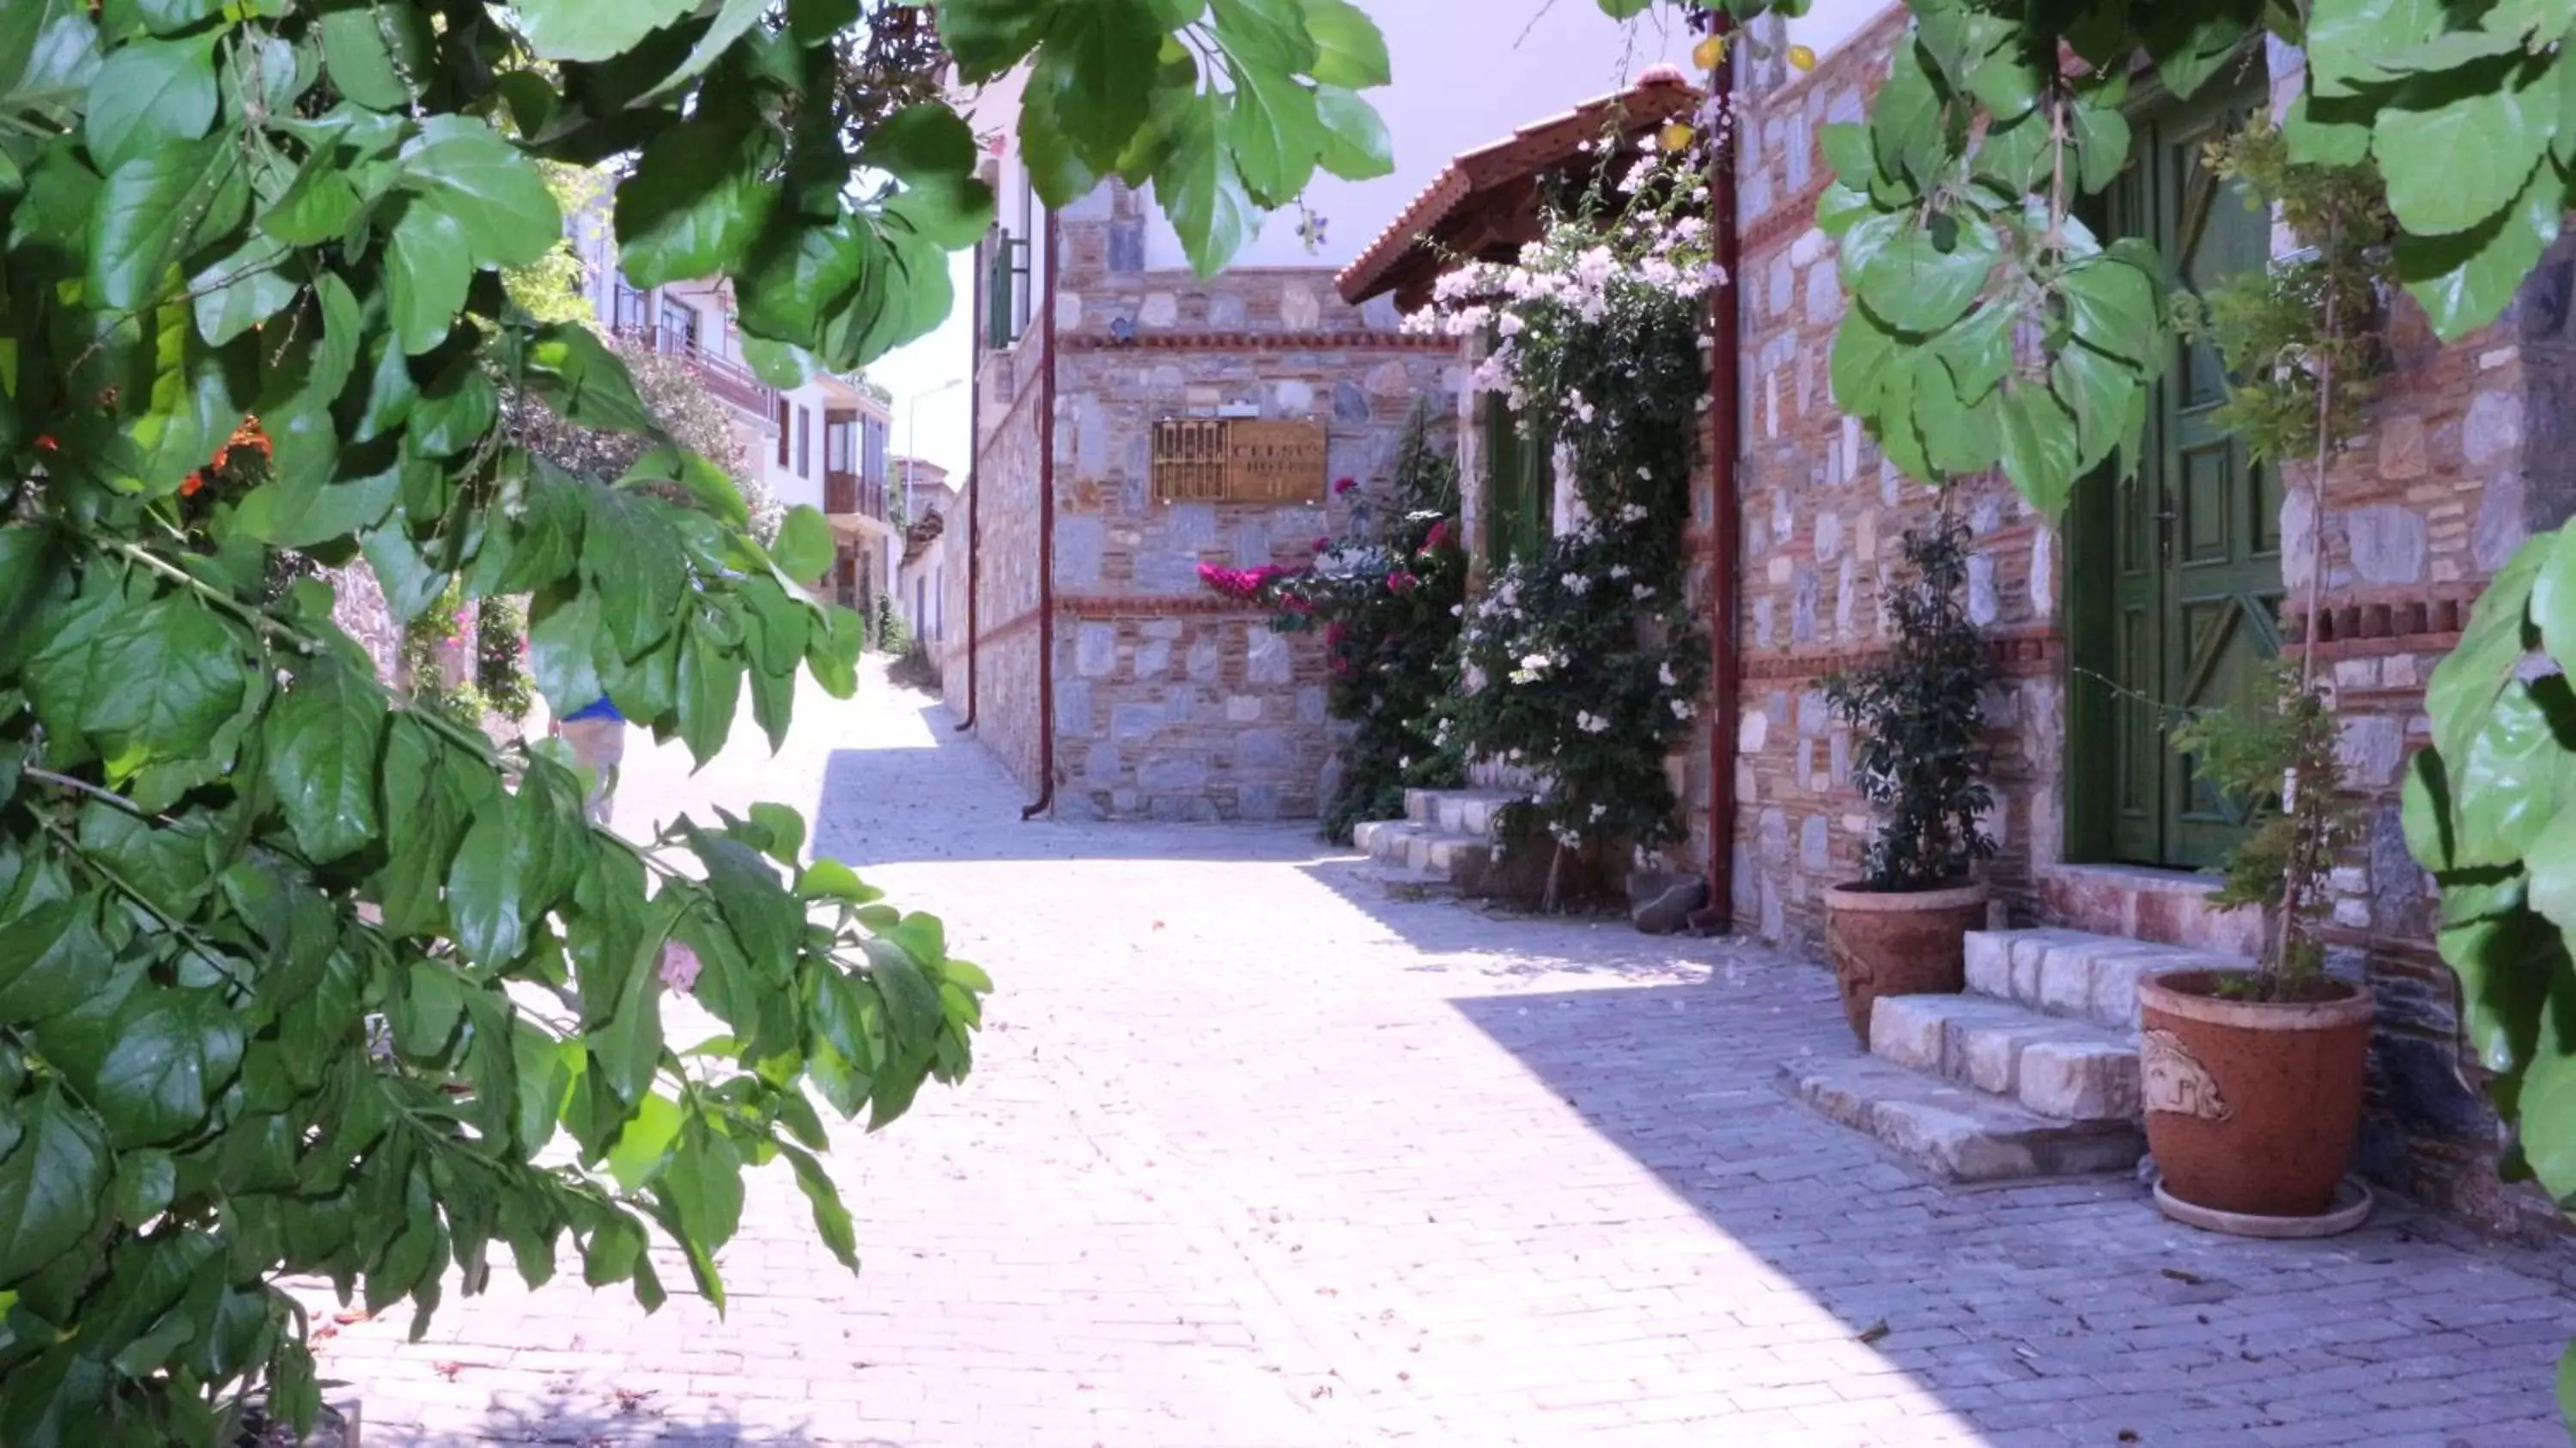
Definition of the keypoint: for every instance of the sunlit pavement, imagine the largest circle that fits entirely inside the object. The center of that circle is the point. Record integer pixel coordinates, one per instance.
(1252, 1157)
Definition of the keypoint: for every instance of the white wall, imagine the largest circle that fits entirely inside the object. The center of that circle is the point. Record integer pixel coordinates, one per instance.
(1831, 22)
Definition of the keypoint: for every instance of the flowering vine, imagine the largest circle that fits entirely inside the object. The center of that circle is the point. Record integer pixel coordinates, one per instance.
(1582, 663)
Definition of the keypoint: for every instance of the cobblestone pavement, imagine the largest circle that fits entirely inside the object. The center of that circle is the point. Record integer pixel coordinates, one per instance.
(1252, 1159)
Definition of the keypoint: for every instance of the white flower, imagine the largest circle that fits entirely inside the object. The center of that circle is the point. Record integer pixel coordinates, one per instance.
(1457, 610)
(1510, 325)
(1576, 584)
(1664, 674)
(1598, 811)
(1536, 663)
(1682, 709)
(1633, 513)
(1617, 572)
(1646, 475)
(1591, 723)
(1642, 593)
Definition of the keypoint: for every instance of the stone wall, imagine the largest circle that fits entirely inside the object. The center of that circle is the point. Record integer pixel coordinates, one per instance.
(1170, 702)
(1006, 706)
(2462, 460)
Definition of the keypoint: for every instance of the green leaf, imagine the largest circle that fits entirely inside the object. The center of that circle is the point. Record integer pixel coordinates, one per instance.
(1349, 50)
(703, 1185)
(697, 200)
(2516, 776)
(805, 547)
(318, 207)
(2548, 1095)
(50, 1185)
(429, 266)
(48, 53)
(587, 30)
(148, 94)
(50, 959)
(633, 558)
(644, 1147)
(326, 741)
(2317, 141)
(1275, 133)
(2041, 449)
(427, 1012)
(1095, 76)
(1356, 146)
(499, 201)
(242, 289)
(2346, 38)
(1906, 122)
(146, 214)
(171, 1053)
(2466, 281)
(434, 796)
(585, 382)
(487, 887)
(1266, 34)
(831, 1217)
(369, 49)
(921, 142)
(2112, 307)
(710, 691)
(2450, 167)
(2102, 146)
(2467, 682)
(562, 641)
(786, 831)
(146, 1182)
(1927, 276)
(2103, 394)
(831, 879)
(2553, 598)
(1200, 190)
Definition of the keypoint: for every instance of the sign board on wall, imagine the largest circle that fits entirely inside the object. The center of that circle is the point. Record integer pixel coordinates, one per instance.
(1239, 460)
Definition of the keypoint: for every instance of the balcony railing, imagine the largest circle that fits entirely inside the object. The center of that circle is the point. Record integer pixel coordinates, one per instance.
(729, 381)
(847, 495)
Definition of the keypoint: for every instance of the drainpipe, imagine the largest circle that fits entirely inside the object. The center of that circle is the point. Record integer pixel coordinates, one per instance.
(1726, 588)
(978, 322)
(1046, 539)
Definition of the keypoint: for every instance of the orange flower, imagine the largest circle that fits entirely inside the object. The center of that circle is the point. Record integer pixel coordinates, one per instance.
(189, 485)
(45, 443)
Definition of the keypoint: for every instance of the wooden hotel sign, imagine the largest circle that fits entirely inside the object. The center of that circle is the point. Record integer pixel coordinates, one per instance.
(1238, 460)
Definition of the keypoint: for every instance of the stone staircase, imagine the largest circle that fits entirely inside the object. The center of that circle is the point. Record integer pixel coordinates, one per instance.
(1444, 847)
(2032, 1073)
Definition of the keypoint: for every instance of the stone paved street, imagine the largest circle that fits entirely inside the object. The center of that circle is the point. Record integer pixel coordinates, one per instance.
(1253, 1159)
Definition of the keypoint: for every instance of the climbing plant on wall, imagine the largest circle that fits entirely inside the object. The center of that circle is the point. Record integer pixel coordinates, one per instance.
(294, 978)
(1581, 663)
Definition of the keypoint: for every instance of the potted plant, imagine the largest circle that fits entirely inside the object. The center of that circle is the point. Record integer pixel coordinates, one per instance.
(2253, 1079)
(1920, 760)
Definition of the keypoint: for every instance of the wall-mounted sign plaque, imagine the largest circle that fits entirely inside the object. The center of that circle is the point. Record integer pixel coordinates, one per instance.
(1238, 460)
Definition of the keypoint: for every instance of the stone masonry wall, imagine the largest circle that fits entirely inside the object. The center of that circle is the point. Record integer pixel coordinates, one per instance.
(1171, 702)
(2464, 457)
(1007, 595)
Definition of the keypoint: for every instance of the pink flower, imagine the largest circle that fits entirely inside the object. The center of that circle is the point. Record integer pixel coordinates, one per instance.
(1439, 535)
(1400, 582)
(1323, 545)
(1344, 486)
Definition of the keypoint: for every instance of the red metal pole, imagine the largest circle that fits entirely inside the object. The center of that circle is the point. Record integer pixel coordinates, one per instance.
(975, 462)
(1046, 541)
(1725, 391)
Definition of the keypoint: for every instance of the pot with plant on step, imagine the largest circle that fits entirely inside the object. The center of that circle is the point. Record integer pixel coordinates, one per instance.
(2253, 1080)
(1919, 758)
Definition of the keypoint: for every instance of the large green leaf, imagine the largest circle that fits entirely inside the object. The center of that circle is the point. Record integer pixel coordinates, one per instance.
(2041, 447)
(376, 52)
(2466, 683)
(51, 1186)
(2461, 153)
(633, 558)
(1928, 275)
(171, 1053)
(1356, 146)
(1349, 50)
(2466, 280)
(1095, 76)
(326, 745)
(2346, 39)
(588, 30)
(697, 200)
(148, 94)
(2113, 308)
(710, 691)
(496, 196)
(429, 266)
(1200, 189)
(988, 37)
(242, 288)
(146, 215)
(48, 53)
(50, 959)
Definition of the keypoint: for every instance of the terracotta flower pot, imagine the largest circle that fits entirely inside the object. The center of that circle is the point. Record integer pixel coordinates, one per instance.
(1886, 943)
(2252, 1105)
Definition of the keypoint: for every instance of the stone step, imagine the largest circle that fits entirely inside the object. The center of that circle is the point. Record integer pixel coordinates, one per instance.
(2075, 975)
(1402, 882)
(1955, 1133)
(2069, 1069)
(1476, 812)
(1404, 844)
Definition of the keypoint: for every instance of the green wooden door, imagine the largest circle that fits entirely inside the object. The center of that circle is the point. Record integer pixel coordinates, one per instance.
(2189, 551)
(1520, 487)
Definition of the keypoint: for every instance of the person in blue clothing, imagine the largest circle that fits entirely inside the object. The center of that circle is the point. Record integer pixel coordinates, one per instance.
(597, 737)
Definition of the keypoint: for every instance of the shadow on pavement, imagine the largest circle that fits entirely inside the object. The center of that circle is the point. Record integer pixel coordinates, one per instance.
(2068, 1308)
(633, 1421)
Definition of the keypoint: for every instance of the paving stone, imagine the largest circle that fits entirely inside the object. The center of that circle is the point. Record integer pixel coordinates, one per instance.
(1255, 1156)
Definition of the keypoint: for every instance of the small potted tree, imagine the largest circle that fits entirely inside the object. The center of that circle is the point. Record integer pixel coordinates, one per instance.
(2253, 1080)
(1919, 722)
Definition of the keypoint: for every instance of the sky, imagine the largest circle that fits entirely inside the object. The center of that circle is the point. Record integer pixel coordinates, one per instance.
(916, 371)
